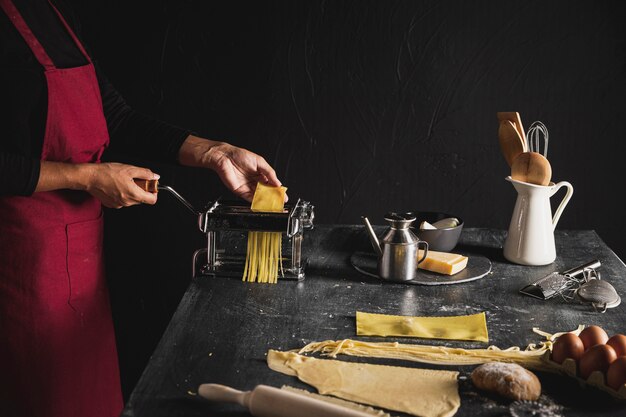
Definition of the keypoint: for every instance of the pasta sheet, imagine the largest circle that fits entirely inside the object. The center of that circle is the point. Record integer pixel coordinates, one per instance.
(471, 327)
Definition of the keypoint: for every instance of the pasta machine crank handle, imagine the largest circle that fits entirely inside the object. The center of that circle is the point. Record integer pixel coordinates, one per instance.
(153, 186)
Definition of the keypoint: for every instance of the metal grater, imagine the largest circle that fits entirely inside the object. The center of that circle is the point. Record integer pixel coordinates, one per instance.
(557, 282)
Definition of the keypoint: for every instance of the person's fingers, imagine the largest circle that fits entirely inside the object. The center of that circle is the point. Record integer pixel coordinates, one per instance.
(247, 196)
(139, 196)
(151, 200)
(146, 198)
(269, 177)
(245, 191)
(143, 173)
(268, 172)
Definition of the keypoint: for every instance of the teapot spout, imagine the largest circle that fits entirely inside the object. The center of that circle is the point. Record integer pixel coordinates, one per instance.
(372, 235)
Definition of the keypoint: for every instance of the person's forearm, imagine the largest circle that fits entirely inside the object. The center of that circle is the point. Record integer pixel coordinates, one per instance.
(112, 183)
(59, 175)
(239, 169)
(195, 152)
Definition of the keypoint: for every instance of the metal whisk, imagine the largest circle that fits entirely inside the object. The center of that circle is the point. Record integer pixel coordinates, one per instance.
(535, 133)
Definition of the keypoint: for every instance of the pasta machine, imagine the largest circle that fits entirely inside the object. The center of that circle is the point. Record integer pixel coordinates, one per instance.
(224, 221)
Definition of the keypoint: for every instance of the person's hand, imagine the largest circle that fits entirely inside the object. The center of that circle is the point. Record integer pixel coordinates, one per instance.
(239, 169)
(113, 184)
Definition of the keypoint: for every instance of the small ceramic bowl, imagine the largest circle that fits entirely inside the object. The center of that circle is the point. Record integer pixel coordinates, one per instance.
(440, 240)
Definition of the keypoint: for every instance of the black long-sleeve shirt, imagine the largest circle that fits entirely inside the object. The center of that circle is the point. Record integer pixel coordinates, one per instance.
(23, 100)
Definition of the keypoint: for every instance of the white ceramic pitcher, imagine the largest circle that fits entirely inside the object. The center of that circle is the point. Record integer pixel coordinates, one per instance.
(530, 240)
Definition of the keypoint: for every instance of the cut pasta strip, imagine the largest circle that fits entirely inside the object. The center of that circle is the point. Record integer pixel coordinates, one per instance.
(533, 356)
(264, 249)
(440, 355)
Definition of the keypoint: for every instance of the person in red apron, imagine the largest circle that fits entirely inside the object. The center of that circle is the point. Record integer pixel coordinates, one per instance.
(57, 352)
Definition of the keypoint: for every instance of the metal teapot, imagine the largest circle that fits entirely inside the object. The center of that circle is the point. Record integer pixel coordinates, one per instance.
(399, 248)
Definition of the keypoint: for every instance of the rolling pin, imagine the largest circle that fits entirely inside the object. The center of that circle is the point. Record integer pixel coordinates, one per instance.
(266, 401)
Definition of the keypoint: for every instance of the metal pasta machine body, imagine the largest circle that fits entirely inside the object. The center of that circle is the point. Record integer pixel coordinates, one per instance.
(224, 222)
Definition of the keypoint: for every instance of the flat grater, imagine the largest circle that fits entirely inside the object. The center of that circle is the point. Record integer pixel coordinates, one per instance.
(557, 282)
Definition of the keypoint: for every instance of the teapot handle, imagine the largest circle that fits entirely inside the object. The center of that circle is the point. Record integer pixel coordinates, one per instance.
(425, 250)
(568, 195)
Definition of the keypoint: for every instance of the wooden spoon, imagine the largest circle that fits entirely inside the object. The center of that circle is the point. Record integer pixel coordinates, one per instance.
(511, 143)
(531, 167)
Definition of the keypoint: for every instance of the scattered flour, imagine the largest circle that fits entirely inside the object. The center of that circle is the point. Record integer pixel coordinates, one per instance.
(543, 407)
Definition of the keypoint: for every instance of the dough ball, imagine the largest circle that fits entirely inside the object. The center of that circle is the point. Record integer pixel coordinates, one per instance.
(508, 380)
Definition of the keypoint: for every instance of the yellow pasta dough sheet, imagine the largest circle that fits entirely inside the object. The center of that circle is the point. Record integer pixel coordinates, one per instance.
(264, 252)
(419, 392)
(268, 198)
(472, 327)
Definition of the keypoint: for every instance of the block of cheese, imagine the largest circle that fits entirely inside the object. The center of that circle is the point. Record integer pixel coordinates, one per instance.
(443, 262)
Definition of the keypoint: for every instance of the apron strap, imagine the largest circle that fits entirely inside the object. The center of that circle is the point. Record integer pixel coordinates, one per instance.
(71, 32)
(18, 21)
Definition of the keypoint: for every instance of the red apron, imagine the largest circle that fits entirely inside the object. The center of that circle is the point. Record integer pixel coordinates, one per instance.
(57, 346)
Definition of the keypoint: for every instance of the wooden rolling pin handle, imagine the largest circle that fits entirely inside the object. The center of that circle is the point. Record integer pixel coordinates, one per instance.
(266, 401)
(150, 186)
(222, 393)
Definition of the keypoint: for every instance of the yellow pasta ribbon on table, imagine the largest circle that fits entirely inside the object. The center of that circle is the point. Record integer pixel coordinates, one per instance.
(534, 356)
(470, 327)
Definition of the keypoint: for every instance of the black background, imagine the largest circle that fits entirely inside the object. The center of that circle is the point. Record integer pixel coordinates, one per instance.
(362, 107)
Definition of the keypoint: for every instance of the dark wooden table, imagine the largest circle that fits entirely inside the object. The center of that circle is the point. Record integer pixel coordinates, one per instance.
(223, 328)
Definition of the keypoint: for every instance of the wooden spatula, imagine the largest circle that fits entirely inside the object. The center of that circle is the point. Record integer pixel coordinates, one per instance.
(511, 143)
(514, 117)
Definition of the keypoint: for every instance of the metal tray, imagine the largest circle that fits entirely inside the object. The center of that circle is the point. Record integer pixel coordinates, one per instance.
(477, 267)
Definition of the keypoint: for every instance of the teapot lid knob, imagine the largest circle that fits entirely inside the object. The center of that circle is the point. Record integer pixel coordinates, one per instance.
(400, 220)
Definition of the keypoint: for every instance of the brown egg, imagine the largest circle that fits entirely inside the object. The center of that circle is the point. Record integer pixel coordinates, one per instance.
(616, 375)
(567, 346)
(597, 358)
(593, 335)
(618, 342)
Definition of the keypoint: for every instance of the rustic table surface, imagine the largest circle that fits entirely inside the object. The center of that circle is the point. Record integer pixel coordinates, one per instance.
(223, 328)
